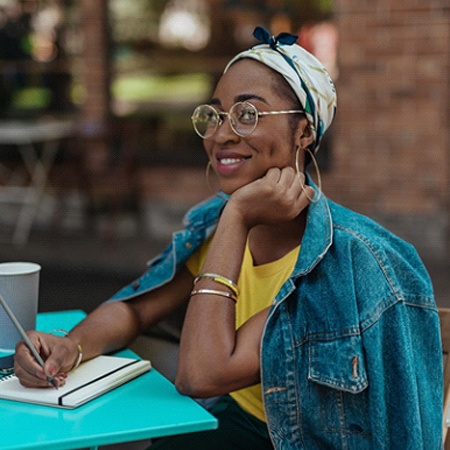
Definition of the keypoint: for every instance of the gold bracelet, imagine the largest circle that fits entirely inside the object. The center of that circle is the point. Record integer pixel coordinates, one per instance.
(214, 292)
(80, 348)
(220, 279)
(80, 357)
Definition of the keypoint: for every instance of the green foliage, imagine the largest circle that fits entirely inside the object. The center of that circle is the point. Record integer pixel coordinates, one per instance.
(31, 98)
(325, 6)
(145, 87)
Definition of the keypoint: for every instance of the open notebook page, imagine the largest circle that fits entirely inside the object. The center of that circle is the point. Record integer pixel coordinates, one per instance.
(91, 379)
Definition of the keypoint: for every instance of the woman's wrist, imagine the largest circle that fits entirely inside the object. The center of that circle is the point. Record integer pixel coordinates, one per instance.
(234, 222)
(80, 357)
(64, 333)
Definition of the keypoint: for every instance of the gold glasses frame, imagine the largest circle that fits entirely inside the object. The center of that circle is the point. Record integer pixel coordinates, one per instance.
(219, 117)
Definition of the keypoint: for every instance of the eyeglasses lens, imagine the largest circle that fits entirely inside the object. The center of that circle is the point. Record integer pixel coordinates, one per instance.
(205, 120)
(244, 117)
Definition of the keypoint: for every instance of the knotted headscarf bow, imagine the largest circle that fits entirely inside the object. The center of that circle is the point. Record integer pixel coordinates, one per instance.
(304, 73)
(264, 36)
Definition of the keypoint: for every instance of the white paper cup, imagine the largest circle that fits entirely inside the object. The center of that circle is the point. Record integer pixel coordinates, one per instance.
(19, 286)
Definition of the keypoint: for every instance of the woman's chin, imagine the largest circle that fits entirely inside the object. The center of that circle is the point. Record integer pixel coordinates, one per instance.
(230, 188)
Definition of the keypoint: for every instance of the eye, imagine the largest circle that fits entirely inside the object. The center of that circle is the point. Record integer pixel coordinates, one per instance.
(207, 115)
(246, 114)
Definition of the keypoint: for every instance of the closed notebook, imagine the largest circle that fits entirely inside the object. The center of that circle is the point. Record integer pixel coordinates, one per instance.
(90, 380)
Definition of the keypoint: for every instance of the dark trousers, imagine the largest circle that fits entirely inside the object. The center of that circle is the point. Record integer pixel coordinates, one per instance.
(237, 430)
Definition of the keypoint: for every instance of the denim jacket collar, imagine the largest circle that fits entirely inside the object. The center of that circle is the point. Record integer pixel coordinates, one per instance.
(206, 214)
(317, 238)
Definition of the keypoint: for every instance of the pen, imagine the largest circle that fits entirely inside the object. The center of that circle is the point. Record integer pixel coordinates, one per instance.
(25, 338)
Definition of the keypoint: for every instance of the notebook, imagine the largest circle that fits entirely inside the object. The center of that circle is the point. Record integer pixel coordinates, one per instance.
(88, 381)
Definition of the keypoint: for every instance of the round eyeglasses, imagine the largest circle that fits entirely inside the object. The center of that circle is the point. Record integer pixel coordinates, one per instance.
(243, 117)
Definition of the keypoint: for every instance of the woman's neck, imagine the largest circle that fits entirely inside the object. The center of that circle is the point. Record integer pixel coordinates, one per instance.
(271, 242)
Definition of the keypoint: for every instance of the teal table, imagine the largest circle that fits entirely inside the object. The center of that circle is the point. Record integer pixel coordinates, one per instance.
(144, 408)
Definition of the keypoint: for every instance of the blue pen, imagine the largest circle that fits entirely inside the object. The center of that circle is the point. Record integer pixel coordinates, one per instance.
(25, 338)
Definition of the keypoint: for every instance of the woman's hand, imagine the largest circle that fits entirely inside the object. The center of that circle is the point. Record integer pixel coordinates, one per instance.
(60, 355)
(277, 197)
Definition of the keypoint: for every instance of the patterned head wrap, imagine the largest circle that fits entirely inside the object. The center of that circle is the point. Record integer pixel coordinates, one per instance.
(304, 73)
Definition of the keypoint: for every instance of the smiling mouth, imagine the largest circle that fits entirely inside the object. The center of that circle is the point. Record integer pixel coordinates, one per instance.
(229, 161)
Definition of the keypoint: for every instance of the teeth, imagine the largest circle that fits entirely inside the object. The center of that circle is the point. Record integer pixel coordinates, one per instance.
(226, 161)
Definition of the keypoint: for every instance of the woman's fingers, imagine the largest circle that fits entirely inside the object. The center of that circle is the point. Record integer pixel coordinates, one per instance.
(57, 352)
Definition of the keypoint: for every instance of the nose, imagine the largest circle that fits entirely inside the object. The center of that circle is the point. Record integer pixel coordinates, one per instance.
(224, 130)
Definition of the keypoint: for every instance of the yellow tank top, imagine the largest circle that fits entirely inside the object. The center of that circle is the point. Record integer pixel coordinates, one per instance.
(258, 286)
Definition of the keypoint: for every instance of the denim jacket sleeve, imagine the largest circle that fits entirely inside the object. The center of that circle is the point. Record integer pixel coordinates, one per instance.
(401, 340)
(405, 393)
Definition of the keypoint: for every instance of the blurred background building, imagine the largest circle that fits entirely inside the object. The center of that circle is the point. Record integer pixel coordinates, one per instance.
(127, 75)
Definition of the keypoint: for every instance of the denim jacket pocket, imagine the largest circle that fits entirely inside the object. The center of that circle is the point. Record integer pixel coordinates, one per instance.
(338, 389)
(338, 363)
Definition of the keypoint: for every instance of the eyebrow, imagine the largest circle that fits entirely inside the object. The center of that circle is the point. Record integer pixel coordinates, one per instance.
(240, 98)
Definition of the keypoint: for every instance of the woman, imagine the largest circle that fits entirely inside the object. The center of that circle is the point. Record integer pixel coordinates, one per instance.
(316, 326)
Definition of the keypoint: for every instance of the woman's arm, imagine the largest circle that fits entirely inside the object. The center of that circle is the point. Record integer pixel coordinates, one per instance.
(211, 362)
(111, 326)
(214, 358)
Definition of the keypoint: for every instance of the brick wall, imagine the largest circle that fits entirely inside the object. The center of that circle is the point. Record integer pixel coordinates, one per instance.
(391, 135)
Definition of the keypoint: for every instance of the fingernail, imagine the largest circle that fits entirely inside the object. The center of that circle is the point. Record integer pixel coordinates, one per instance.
(41, 375)
(51, 371)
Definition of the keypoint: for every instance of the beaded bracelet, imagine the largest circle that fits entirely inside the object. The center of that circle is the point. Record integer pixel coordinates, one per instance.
(220, 279)
(80, 348)
(214, 292)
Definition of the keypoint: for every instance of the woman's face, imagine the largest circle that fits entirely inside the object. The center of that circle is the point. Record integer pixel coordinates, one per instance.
(237, 160)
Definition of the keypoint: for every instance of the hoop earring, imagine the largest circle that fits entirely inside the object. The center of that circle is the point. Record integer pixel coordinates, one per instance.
(316, 166)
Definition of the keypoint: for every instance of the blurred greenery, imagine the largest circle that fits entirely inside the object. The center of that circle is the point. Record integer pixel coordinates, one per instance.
(145, 87)
(325, 5)
(31, 98)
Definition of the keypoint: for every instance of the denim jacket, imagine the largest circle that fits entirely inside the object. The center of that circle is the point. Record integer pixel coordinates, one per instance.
(351, 355)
